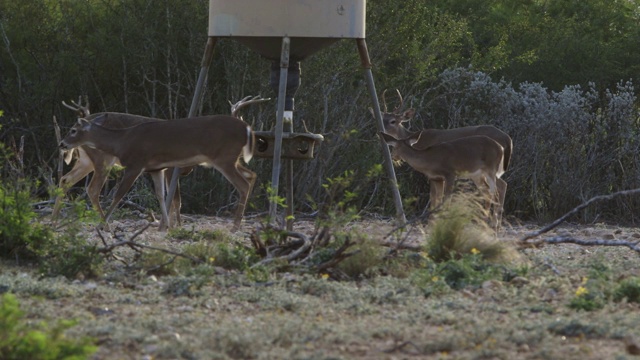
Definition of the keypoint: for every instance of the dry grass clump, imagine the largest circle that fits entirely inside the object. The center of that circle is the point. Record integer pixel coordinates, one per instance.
(460, 229)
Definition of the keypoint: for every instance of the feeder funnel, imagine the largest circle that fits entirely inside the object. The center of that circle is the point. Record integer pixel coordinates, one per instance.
(310, 24)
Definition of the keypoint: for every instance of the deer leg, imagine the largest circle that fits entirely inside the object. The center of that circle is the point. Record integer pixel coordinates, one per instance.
(436, 190)
(242, 179)
(159, 185)
(502, 192)
(494, 198)
(176, 203)
(80, 170)
(129, 177)
(449, 182)
(96, 184)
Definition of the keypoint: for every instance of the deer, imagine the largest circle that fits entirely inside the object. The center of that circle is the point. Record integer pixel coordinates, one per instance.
(216, 141)
(100, 163)
(476, 157)
(393, 124)
(93, 160)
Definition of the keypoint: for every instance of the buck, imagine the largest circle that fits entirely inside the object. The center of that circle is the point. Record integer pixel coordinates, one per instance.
(100, 163)
(216, 141)
(393, 124)
(478, 158)
(91, 159)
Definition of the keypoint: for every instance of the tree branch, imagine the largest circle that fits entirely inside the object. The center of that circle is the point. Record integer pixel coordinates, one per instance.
(554, 224)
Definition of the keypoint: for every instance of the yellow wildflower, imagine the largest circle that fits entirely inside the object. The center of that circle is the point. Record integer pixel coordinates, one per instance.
(475, 251)
(325, 276)
(581, 291)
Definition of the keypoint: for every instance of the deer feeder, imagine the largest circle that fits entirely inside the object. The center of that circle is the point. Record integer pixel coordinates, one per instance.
(286, 32)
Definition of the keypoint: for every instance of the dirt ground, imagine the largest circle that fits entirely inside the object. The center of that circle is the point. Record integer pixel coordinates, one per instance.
(134, 315)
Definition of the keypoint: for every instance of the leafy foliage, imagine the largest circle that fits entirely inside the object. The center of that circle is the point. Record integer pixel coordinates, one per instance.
(18, 340)
(20, 234)
(628, 289)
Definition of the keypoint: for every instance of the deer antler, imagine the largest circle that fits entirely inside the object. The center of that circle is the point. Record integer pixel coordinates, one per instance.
(384, 102)
(81, 110)
(399, 107)
(244, 102)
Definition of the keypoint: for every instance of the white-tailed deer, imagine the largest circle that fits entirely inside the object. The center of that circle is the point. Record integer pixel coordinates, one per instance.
(478, 158)
(93, 160)
(216, 141)
(100, 163)
(393, 125)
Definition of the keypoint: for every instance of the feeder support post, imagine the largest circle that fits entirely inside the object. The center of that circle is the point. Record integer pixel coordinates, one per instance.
(195, 102)
(277, 146)
(388, 162)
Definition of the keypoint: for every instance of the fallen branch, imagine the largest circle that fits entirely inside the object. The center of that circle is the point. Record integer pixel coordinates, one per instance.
(306, 244)
(136, 246)
(633, 245)
(559, 221)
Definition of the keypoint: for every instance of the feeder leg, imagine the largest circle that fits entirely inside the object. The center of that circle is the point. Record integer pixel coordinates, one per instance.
(195, 102)
(289, 210)
(277, 146)
(388, 163)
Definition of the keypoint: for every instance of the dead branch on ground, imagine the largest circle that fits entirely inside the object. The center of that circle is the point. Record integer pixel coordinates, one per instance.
(633, 245)
(564, 239)
(107, 249)
(277, 247)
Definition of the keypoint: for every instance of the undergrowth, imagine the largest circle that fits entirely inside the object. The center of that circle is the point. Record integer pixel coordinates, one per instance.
(19, 339)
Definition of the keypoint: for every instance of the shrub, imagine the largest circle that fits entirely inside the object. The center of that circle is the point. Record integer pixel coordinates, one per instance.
(67, 252)
(629, 288)
(591, 293)
(19, 341)
(367, 258)
(460, 229)
(20, 234)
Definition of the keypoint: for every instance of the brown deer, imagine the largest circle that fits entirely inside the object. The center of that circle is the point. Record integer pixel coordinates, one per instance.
(100, 163)
(216, 141)
(94, 160)
(393, 124)
(478, 158)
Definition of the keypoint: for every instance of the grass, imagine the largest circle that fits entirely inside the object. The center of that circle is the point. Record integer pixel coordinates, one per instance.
(305, 316)
(466, 305)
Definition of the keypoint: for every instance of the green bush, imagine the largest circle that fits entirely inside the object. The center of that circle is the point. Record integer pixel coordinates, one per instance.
(19, 231)
(42, 342)
(58, 252)
(67, 252)
(629, 289)
(590, 295)
(235, 257)
(367, 258)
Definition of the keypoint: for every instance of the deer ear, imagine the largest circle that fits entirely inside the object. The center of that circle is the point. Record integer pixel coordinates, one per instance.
(99, 120)
(388, 138)
(408, 114)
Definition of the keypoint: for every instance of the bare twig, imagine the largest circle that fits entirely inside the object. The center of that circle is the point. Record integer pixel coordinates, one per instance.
(400, 245)
(338, 256)
(306, 244)
(136, 246)
(578, 208)
(633, 245)
(56, 129)
(401, 347)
